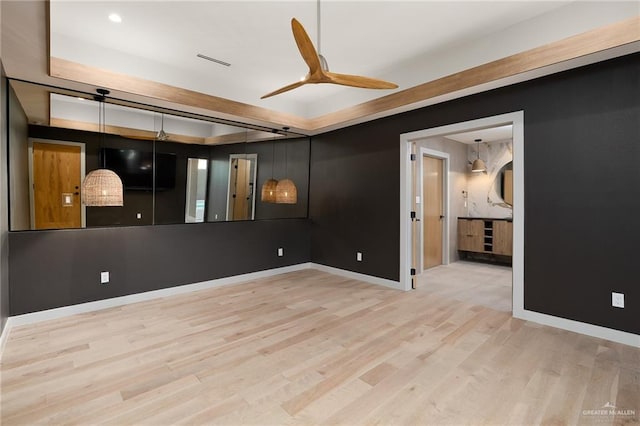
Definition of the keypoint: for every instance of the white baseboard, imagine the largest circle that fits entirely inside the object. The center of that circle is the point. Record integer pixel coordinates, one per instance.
(4, 336)
(580, 327)
(34, 317)
(66, 311)
(357, 276)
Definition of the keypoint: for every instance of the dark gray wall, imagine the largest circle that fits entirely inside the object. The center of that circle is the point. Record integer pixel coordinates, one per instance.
(20, 215)
(4, 209)
(582, 150)
(57, 268)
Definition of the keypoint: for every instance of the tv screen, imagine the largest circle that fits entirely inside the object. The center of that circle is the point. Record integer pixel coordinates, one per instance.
(135, 168)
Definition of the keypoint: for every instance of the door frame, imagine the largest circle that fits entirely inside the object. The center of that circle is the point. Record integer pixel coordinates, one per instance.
(406, 139)
(32, 211)
(427, 152)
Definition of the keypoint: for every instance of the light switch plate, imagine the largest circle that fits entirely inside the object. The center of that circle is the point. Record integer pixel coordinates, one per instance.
(617, 300)
(104, 277)
(359, 257)
(139, 215)
(280, 252)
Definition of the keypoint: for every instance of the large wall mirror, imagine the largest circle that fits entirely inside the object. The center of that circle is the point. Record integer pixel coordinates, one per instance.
(175, 167)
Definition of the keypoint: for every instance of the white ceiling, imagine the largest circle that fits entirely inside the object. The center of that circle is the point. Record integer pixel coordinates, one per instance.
(407, 42)
(492, 134)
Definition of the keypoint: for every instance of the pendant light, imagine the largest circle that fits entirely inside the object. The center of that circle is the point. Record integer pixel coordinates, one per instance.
(162, 136)
(102, 187)
(269, 188)
(286, 191)
(478, 165)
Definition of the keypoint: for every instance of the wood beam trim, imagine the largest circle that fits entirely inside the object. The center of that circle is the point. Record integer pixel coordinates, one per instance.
(590, 42)
(125, 132)
(68, 70)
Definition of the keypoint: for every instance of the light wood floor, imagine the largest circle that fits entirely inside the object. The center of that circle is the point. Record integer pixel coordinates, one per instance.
(312, 348)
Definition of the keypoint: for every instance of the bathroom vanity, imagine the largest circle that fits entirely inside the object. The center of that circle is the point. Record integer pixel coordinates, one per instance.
(489, 237)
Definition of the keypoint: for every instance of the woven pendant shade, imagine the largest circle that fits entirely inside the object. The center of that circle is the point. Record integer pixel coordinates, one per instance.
(102, 188)
(478, 166)
(286, 192)
(269, 191)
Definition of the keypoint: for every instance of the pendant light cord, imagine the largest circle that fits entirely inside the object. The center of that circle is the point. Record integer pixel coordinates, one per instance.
(318, 23)
(101, 129)
(273, 154)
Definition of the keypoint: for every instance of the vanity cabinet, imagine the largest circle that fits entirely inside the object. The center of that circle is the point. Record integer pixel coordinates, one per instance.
(470, 235)
(502, 237)
(485, 235)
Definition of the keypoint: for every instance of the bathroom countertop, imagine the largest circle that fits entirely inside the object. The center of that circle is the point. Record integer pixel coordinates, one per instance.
(508, 219)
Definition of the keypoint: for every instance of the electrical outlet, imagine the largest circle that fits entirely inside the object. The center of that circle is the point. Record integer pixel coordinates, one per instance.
(104, 277)
(280, 252)
(617, 300)
(359, 257)
(139, 216)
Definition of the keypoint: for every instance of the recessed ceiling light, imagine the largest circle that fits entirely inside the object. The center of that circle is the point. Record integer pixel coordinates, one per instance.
(114, 17)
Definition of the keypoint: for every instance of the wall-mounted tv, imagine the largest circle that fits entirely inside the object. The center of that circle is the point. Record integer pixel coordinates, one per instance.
(135, 168)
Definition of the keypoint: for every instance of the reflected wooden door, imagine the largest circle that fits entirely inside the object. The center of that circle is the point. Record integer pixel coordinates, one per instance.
(432, 212)
(56, 186)
(241, 195)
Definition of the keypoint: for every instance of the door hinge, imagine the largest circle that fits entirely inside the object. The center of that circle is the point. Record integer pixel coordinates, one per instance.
(413, 157)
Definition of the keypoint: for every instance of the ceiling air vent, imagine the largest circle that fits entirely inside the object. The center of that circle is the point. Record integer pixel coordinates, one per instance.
(217, 61)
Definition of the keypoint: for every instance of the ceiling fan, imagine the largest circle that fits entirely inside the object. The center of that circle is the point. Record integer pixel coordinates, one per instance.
(319, 70)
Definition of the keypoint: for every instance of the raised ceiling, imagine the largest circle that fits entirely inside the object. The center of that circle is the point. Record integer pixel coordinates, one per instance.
(410, 43)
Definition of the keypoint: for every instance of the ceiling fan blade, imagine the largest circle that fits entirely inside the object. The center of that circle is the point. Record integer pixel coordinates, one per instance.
(305, 46)
(359, 81)
(285, 89)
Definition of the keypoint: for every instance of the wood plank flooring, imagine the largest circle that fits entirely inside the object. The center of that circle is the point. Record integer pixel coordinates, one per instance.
(312, 348)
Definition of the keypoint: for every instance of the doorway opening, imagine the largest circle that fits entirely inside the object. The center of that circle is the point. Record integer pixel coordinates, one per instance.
(506, 229)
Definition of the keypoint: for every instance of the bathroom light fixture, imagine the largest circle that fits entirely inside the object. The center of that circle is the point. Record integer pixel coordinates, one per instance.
(102, 187)
(478, 165)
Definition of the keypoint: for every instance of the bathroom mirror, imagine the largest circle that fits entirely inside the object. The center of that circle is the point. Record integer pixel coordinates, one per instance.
(185, 178)
(504, 183)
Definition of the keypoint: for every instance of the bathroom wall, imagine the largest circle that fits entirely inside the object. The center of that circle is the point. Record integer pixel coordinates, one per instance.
(483, 188)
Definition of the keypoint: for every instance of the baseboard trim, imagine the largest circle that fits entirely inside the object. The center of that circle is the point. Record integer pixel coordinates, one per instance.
(4, 336)
(66, 311)
(544, 319)
(357, 276)
(600, 332)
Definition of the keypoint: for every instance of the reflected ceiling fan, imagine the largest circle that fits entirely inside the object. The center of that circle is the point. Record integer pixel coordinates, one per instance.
(318, 68)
